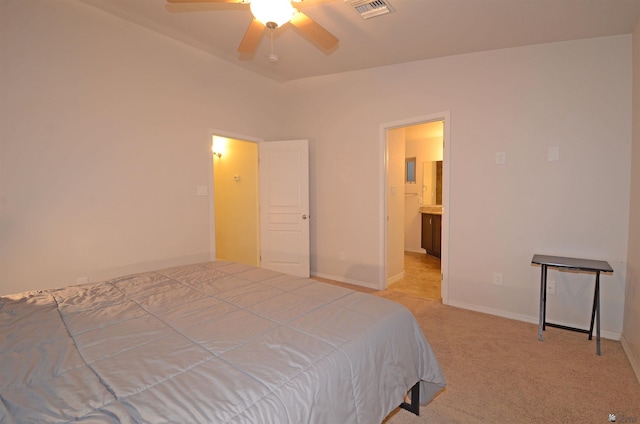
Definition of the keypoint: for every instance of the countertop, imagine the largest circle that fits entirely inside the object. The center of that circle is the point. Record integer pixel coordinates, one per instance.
(431, 209)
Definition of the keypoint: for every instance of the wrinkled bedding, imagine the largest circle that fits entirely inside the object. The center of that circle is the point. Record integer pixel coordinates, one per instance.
(216, 342)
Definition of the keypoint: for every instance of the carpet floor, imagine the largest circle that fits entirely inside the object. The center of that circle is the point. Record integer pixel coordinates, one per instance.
(498, 371)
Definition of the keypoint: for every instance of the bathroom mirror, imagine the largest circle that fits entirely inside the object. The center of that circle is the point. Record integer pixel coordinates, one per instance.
(432, 182)
(410, 171)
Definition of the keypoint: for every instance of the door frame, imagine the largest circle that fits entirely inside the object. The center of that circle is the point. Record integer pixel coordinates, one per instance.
(446, 183)
(212, 210)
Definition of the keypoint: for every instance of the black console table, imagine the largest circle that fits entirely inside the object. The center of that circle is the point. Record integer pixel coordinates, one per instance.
(587, 265)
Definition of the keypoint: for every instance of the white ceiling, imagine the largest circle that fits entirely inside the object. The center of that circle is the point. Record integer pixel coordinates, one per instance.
(418, 29)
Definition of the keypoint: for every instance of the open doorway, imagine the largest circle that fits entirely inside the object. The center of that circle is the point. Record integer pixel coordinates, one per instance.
(416, 201)
(260, 214)
(236, 200)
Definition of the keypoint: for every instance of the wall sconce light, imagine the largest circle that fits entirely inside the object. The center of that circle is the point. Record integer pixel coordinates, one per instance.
(218, 146)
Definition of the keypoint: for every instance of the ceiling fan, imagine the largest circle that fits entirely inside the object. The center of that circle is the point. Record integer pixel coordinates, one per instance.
(273, 14)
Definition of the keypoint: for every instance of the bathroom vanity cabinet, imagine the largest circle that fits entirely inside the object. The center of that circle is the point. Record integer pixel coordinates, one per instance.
(432, 234)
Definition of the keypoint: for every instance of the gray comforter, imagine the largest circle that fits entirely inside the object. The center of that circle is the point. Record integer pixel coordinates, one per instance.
(209, 343)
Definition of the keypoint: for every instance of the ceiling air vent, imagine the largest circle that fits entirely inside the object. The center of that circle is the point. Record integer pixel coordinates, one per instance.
(371, 8)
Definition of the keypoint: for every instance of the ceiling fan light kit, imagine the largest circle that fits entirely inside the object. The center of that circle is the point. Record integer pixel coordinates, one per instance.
(273, 14)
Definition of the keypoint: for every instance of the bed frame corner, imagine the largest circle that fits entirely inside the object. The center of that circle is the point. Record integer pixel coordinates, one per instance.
(414, 406)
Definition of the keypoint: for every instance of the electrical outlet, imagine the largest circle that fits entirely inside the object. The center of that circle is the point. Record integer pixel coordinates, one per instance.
(341, 256)
(498, 279)
(82, 280)
(551, 287)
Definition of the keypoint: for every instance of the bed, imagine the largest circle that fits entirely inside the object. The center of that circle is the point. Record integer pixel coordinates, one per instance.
(215, 342)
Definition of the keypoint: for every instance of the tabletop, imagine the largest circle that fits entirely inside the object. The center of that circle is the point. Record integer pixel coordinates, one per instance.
(572, 263)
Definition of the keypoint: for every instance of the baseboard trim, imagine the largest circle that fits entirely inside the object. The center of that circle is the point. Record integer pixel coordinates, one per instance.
(368, 285)
(396, 278)
(611, 335)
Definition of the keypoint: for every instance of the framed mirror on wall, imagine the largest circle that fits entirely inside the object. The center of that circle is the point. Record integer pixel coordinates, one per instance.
(432, 182)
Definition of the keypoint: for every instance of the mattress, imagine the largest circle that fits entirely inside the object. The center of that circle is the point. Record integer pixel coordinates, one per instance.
(216, 342)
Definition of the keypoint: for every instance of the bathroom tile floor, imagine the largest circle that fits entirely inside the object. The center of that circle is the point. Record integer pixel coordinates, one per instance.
(422, 276)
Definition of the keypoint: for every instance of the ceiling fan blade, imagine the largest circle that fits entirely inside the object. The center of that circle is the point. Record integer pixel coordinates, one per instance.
(252, 37)
(205, 1)
(314, 31)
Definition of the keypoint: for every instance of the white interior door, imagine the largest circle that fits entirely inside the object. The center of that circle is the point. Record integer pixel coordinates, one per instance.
(284, 206)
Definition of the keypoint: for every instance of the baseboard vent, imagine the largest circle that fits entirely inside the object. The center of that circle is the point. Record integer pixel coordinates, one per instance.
(371, 8)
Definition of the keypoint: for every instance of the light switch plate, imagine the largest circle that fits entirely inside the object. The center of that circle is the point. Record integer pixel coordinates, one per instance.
(501, 158)
(202, 190)
(553, 153)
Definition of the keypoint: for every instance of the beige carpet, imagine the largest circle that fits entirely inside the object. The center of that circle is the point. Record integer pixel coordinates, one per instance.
(498, 372)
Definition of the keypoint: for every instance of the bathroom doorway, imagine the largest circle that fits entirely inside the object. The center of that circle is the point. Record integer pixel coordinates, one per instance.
(415, 194)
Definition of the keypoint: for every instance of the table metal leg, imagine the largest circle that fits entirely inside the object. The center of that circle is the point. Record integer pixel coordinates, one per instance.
(595, 313)
(544, 291)
(594, 307)
(543, 300)
(598, 313)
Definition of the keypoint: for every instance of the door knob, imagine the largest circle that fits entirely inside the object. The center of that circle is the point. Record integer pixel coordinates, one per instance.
(304, 216)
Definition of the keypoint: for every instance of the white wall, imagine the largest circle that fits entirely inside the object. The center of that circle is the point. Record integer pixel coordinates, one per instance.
(631, 332)
(105, 138)
(575, 95)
